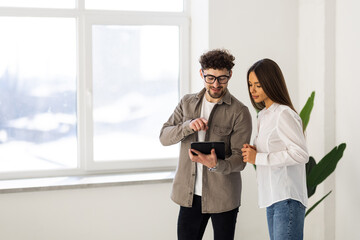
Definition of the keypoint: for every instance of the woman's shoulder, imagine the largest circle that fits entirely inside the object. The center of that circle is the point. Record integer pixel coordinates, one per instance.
(286, 112)
(284, 108)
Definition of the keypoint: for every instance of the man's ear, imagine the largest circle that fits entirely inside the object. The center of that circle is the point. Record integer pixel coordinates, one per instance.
(201, 73)
(230, 73)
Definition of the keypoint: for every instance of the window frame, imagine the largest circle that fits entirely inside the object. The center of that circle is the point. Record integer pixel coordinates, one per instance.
(85, 19)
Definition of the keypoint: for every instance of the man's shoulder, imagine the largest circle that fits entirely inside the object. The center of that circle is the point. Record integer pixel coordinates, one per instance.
(189, 96)
(237, 103)
(192, 96)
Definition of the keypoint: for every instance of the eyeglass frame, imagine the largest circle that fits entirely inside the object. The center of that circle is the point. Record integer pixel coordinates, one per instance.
(215, 78)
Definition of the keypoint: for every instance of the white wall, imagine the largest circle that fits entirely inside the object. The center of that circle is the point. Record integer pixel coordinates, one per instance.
(329, 39)
(312, 78)
(251, 30)
(109, 213)
(347, 118)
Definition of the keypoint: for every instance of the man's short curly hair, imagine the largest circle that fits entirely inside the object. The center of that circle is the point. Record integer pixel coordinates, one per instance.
(217, 59)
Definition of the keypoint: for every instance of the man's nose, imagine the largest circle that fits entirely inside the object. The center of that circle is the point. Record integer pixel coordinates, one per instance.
(216, 83)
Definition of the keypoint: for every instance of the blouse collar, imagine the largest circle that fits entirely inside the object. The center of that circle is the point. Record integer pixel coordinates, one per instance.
(273, 107)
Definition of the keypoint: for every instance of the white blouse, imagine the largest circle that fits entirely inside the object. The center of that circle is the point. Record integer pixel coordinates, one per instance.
(281, 156)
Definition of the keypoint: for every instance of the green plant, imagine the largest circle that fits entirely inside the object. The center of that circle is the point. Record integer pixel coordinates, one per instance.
(316, 173)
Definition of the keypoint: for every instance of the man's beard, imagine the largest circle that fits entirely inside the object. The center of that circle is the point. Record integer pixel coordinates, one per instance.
(216, 95)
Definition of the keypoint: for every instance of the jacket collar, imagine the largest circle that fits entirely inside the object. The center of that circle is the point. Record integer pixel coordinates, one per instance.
(225, 99)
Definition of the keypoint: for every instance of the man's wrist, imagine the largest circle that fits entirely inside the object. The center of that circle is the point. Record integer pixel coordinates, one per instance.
(213, 169)
(190, 124)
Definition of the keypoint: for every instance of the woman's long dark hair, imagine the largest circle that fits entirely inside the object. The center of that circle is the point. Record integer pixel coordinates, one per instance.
(272, 82)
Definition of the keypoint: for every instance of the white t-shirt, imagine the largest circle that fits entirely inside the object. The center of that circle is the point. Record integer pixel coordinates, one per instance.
(206, 109)
(281, 156)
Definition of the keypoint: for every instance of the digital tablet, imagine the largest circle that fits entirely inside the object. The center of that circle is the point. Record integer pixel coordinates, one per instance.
(205, 147)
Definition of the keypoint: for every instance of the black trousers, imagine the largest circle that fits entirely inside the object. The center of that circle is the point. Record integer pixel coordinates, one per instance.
(192, 223)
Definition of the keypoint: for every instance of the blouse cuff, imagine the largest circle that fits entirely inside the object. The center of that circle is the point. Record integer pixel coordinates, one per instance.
(261, 159)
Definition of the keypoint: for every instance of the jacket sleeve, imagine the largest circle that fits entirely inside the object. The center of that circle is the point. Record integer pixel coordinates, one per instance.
(289, 129)
(241, 134)
(176, 128)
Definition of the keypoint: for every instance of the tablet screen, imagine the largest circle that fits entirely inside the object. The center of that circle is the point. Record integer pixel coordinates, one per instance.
(205, 147)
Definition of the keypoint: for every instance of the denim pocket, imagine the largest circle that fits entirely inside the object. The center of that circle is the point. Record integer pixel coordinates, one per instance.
(301, 205)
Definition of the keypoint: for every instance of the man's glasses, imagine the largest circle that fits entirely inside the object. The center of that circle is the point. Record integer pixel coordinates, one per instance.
(211, 79)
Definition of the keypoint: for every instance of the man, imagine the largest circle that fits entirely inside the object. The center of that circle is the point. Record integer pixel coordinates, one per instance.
(204, 186)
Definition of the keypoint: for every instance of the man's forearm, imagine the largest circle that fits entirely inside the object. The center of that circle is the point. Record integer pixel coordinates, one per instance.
(170, 135)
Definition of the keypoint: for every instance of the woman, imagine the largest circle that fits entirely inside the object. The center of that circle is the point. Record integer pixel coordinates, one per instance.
(279, 152)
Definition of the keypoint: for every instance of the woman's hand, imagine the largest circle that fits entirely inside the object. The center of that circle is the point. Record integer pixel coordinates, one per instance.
(249, 153)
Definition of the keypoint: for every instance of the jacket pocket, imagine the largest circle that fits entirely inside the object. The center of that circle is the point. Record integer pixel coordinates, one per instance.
(222, 134)
(222, 131)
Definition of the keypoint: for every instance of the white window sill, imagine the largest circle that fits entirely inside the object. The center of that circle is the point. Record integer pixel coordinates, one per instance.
(74, 182)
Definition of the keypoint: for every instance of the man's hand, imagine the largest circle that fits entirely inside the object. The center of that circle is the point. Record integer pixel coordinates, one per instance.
(209, 160)
(199, 124)
(249, 153)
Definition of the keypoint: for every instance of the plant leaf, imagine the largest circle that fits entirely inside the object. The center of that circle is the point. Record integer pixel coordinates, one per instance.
(326, 166)
(309, 166)
(306, 111)
(317, 203)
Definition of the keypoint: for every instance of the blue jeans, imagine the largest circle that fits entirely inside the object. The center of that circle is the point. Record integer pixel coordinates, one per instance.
(192, 222)
(286, 220)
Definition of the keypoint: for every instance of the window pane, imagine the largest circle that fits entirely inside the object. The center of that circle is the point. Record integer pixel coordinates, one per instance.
(38, 3)
(136, 5)
(37, 94)
(135, 87)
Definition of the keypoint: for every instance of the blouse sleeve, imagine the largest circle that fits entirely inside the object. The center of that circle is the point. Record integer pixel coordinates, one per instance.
(290, 132)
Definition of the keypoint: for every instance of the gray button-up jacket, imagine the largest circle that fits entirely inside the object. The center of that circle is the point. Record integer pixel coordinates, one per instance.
(229, 121)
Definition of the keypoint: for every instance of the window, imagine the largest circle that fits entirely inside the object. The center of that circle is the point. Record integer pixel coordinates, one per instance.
(137, 5)
(135, 80)
(37, 93)
(38, 3)
(85, 89)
